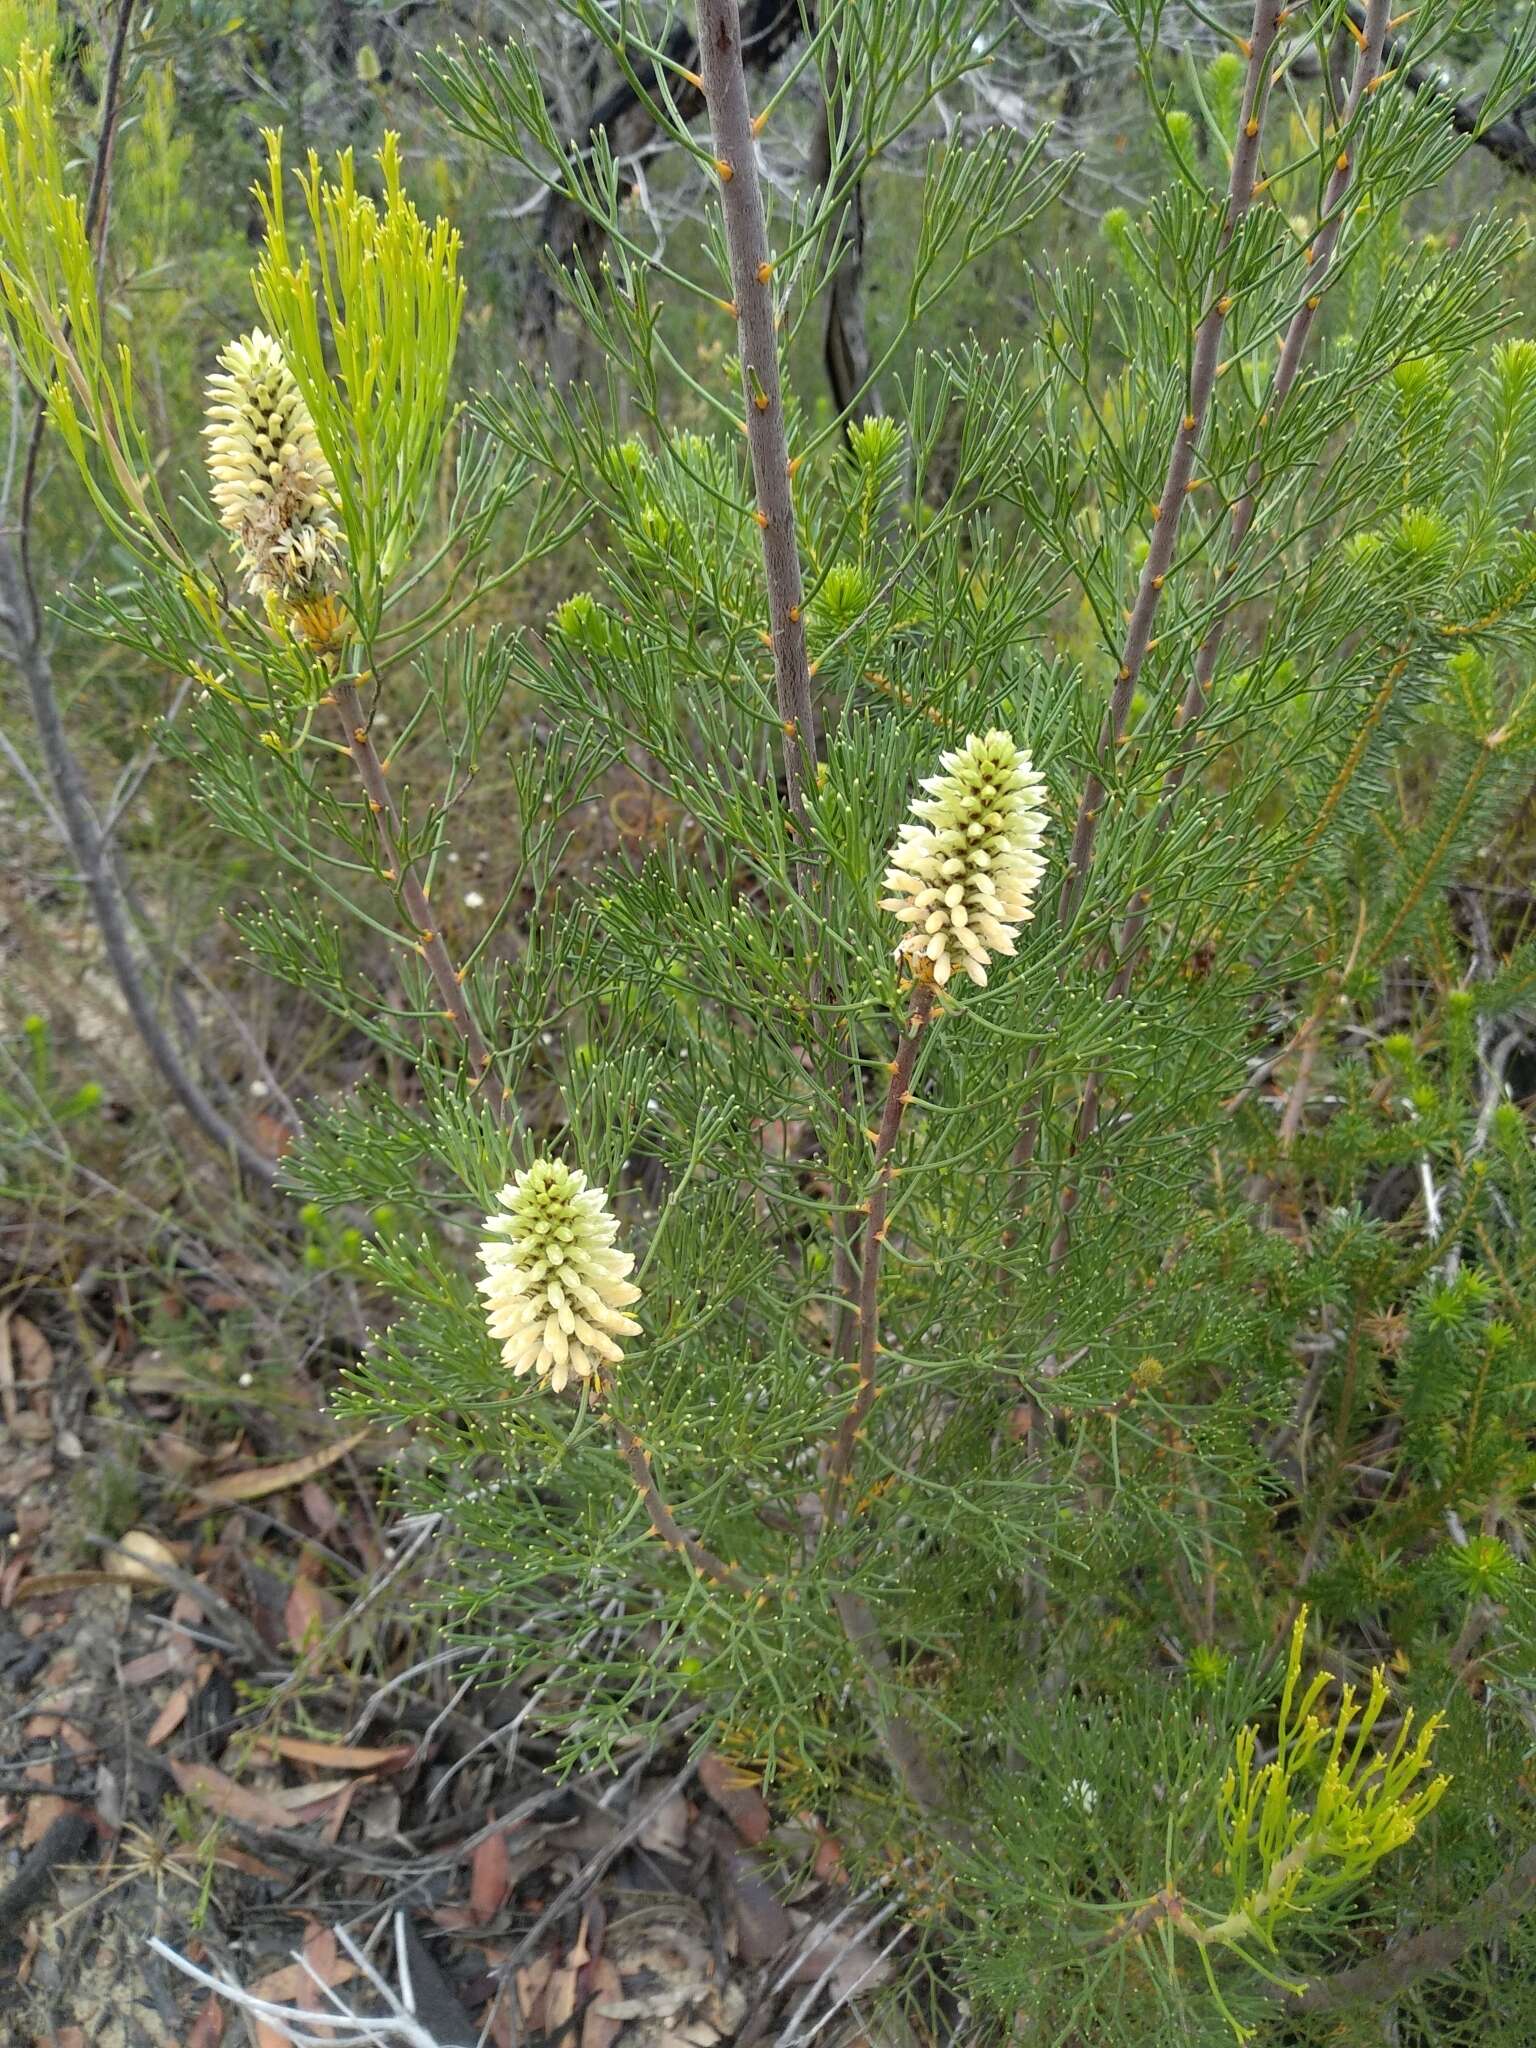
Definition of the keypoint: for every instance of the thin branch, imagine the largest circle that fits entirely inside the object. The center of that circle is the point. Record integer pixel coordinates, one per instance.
(625, 118)
(867, 1313)
(88, 845)
(1181, 462)
(399, 869)
(1428, 1954)
(1167, 515)
(746, 234)
(664, 1522)
(845, 342)
(1319, 257)
(1506, 140)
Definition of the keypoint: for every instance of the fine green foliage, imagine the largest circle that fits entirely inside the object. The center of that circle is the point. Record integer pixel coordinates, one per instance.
(1012, 1357)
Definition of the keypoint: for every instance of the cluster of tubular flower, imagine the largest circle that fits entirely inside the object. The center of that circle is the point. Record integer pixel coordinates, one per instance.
(966, 865)
(555, 1286)
(271, 481)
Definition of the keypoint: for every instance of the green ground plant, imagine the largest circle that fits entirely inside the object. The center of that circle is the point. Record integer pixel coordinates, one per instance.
(1005, 1356)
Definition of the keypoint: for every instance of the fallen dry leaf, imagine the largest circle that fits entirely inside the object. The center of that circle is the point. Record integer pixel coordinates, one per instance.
(304, 1613)
(289, 1985)
(666, 1832)
(208, 2026)
(322, 1511)
(530, 1982)
(175, 1454)
(307, 1799)
(7, 1370)
(320, 1956)
(341, 1806)
(334, 1756)
(146, 1669)
(25, 1472)
(735, 1792)
(560, 1998)
(264, 1479)
(41, 1815)
(490, 1880)
(235, 1802)
(42, 1584)
(599, 2029)
(170, 1716)
(31, 1354)
(135, 1558)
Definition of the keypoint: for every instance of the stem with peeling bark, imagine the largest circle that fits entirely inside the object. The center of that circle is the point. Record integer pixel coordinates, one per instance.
(1367, 76)
(400, 869)
(1434, 1950)
(89, 843)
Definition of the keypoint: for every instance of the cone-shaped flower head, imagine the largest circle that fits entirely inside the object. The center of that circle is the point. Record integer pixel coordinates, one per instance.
(271, 481)
(966, 865)
(555, 1287)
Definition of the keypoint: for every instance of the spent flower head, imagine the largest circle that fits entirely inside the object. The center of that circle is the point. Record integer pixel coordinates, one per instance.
(271, 481)
(966, 865)
(555, 1286)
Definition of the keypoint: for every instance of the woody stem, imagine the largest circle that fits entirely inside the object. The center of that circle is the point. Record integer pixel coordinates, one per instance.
(1319, 258)
(746, 236)
(663, 1521)
(867, 1349)
(1181, 461)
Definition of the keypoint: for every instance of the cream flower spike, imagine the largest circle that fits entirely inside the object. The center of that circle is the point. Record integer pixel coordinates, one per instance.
(965, 867)
(271, 481)
(555, 1287)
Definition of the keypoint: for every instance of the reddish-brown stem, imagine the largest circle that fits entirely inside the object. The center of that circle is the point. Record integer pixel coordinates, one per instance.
(1165, 531)
(867, 1348)
(746, 237)
(1297, 334)
(1181, 461)
(400, 869)
(746, 234)
(664, 1522)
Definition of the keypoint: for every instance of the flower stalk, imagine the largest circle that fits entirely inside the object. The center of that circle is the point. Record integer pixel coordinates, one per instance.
(867, 1313)
(399, 867)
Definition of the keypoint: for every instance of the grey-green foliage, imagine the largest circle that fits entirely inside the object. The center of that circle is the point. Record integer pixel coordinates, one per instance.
(1095, 1477)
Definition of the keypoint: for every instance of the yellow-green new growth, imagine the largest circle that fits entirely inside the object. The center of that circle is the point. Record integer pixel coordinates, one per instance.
(966, 865)
(555, 1284)
(1313, 1822)
(271, 481)
(54, 319)
(369, 325)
